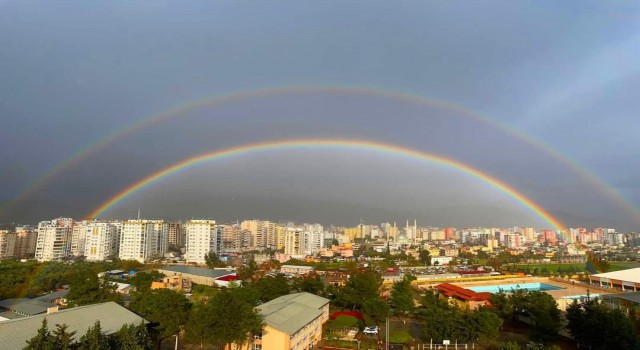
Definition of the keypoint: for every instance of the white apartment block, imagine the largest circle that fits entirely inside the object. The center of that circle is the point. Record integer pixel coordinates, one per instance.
(143, 240)
(100, 241)
(314, 238)
(7, 244)
(54, 239)
(203, 236)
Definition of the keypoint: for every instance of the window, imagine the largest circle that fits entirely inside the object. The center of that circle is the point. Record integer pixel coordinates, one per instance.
(257, 347)
(257, 336)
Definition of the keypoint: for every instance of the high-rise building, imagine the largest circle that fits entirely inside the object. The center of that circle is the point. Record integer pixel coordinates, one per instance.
(142, 240)
(314, 238)
(26, 238)
(78, 236)
(54, 239)
(294, 242)
(203, 236)
(7, 244)
(100, 241)
(176, 234)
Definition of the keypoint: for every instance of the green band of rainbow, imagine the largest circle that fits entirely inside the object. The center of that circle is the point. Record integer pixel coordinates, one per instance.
(326, 143)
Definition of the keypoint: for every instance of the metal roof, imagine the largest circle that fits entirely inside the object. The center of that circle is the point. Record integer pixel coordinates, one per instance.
(53, 296)
(289, 313)
(15, 333)
(25, 306)
(633, 296)
(628, 275)
(198, 271)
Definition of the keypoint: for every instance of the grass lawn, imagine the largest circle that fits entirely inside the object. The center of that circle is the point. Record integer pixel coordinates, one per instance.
(623, 265)
(551, 267)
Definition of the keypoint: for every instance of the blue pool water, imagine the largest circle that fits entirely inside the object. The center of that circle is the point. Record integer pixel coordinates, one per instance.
(579, 297)
(509, 287)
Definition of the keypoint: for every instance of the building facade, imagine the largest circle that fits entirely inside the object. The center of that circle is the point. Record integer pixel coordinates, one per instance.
(203, 236)
(54, 239)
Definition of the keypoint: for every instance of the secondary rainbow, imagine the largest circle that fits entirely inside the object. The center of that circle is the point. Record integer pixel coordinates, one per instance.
(183, 109)
(323, 144)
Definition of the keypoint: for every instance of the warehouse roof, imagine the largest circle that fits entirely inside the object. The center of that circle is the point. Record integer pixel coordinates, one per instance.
(628, 275)
(290, 313)
(15, 333)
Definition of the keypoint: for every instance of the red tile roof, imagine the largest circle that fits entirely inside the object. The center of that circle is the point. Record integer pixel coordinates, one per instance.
(451, 290)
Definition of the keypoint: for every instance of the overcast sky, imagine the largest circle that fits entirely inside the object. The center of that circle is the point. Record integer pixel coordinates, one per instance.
(566, 74)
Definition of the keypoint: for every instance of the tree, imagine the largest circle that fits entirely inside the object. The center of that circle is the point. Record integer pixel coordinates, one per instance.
(595, 325)
(402, 297)
(310, 284)
(142, 280)
(545, 315)
(486, 323)
(166, 309)
(210, 323)
(94, 339)
(425, 257)
(132, 337)
(212, 260)
(246, 272)
(360, 287)
(377, 309)
(63, 340)
(270, 288)
(87, 288)
(43, 340)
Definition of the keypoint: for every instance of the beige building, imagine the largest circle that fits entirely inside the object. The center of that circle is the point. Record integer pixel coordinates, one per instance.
(292, 322)
(7, 244)
(26, 237)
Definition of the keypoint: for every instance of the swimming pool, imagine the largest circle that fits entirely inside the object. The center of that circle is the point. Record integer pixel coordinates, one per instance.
(580, 297)
(509, 287)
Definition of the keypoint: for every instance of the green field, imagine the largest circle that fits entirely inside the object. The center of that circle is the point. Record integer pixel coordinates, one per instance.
(552, 268)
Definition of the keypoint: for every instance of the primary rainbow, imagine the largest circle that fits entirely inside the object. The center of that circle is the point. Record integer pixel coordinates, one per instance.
(323, 144)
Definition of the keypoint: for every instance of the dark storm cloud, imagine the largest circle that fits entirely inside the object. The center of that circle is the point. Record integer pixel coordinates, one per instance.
(73, 73)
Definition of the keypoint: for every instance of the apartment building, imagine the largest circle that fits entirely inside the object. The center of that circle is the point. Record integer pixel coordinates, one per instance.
(7, 244)
(203, 236)
(100, 241)
(54, 239)
(292, 322)
(26, 238)
(294, 241)
(143, 240)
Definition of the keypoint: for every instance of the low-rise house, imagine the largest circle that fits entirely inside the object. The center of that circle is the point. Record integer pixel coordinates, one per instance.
(291, 321)
(15, 333)
(296, 269)
(25, 307)
(57, 297)
(463, 297)
(200, 275)
(178, 283)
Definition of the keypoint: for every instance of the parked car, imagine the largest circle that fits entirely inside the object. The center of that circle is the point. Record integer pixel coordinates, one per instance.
(370, 330)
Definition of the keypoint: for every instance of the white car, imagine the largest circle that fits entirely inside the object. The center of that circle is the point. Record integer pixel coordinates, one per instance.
(370, 330)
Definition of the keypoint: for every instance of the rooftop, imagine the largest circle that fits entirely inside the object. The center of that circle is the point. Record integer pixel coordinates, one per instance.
(451, 290)
(290, 313)
(52, 296)
(25, 306)
(198, 271)
(15, 333)
(628, 275)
